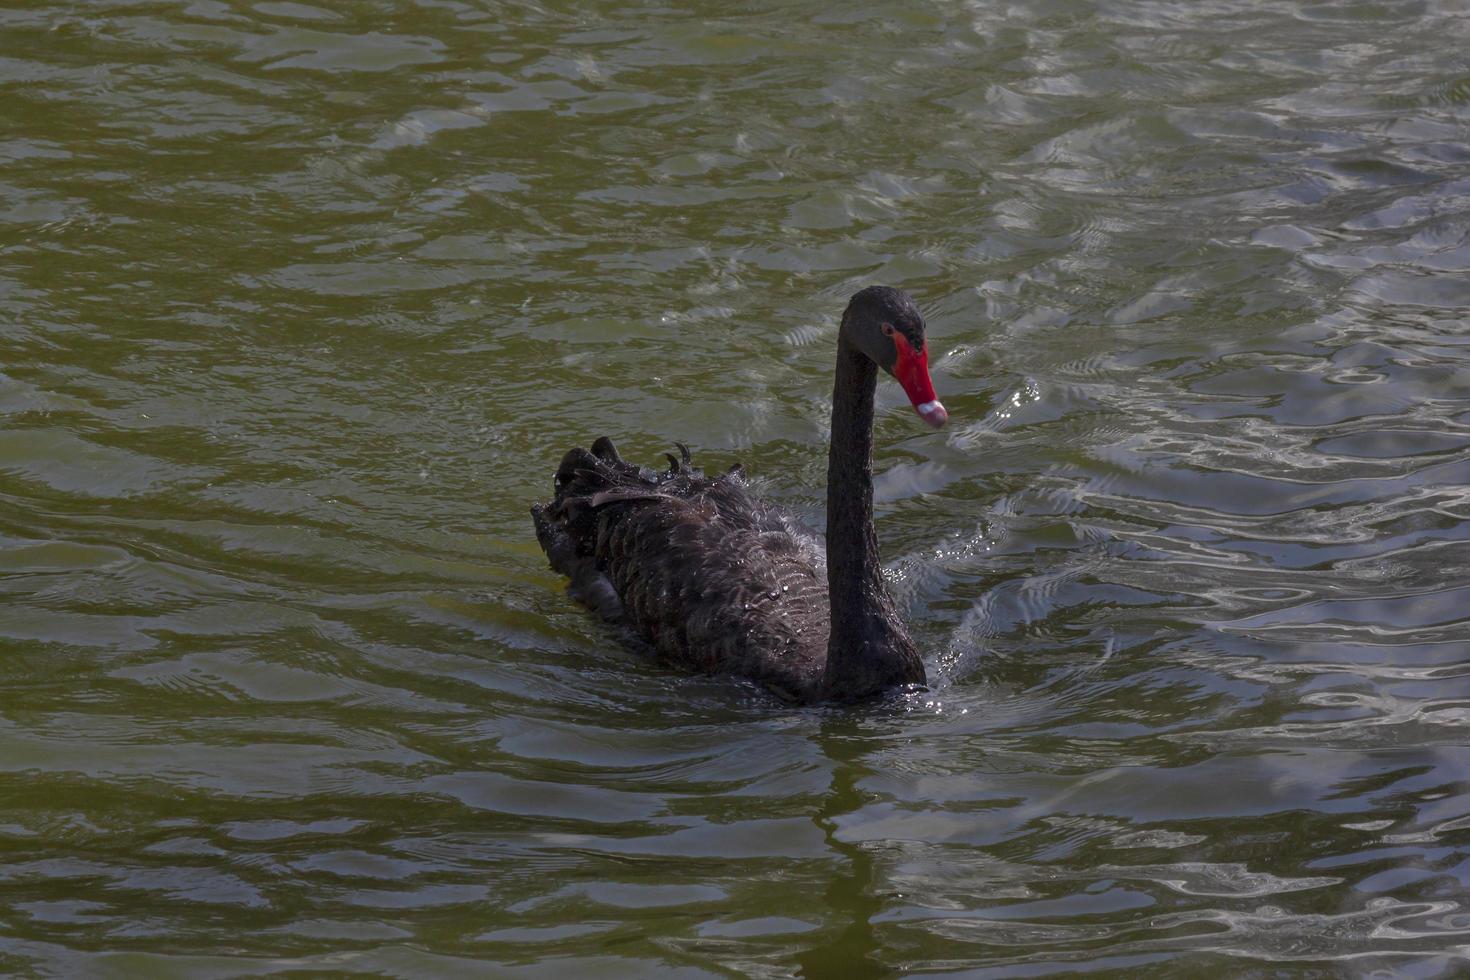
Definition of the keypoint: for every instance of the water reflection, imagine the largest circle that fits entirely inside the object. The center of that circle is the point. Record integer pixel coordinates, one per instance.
(855, 893)
(303, 302)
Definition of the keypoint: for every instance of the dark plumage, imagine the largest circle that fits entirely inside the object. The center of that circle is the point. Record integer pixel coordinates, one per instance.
(719, 582)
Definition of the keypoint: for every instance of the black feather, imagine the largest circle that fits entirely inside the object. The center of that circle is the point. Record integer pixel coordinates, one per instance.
(712, 579)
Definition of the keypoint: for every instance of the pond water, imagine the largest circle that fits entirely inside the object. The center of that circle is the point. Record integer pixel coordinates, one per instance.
(301, 303)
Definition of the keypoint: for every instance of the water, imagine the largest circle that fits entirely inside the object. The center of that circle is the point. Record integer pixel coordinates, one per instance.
(301, 304)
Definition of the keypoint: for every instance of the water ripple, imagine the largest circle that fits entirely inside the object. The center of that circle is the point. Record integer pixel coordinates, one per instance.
(305, 300)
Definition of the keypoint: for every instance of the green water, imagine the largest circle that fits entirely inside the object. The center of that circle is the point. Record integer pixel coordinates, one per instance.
(300, 304)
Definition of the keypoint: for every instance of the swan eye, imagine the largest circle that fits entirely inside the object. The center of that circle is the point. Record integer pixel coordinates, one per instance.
(888, 330)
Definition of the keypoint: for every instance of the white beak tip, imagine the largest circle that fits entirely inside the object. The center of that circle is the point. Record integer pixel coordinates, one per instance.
(933, 412)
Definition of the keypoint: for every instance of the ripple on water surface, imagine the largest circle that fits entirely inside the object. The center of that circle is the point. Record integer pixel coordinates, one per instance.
(303, 302)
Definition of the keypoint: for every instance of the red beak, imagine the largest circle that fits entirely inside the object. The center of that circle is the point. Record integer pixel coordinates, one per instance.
(912, 371)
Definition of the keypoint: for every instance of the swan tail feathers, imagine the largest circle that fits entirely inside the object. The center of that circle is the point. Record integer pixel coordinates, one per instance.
(589, 584)
(589, 482)
(604, 450)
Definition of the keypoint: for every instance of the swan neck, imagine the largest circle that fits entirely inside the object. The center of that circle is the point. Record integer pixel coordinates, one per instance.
(868, 648)
(853, 569)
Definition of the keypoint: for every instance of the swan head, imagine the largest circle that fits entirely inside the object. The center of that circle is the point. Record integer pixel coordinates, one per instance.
(885, 324)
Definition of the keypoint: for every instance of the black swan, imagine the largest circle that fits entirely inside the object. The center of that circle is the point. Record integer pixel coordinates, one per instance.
(718, 582)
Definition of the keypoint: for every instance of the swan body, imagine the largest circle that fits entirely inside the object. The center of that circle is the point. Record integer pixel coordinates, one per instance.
(717, 581)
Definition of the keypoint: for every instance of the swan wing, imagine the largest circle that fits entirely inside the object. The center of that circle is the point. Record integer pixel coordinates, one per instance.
(712, 579)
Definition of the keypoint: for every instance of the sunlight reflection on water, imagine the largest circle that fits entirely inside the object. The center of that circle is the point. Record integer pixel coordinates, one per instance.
(304, 301)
